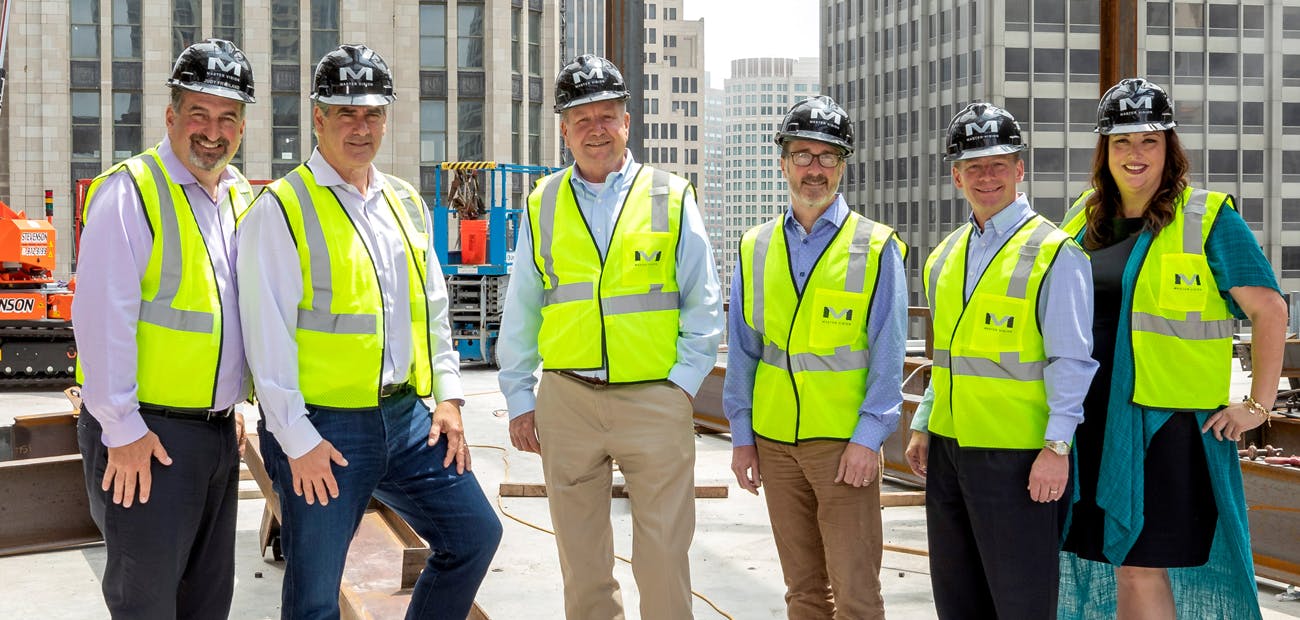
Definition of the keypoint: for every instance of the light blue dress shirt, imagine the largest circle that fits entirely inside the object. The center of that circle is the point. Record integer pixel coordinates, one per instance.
(1064, 314)
(886, 335)
(700, 297)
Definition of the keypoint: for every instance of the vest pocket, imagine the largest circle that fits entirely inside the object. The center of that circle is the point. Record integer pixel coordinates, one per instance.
(999, 323)
(838, 318)
(1183, 282)
(647, 256)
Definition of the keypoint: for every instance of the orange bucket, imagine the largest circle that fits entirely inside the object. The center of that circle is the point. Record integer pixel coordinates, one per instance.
(473, 242)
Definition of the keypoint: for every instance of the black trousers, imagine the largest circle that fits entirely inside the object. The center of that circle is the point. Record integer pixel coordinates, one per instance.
(173, 557)
(994, 552)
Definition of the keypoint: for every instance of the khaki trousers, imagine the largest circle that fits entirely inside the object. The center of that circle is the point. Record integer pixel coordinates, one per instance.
(827, 534)
(648, 429)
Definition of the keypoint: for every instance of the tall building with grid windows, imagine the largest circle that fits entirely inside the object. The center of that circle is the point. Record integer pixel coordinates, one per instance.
(758, 94)
(904, 67)
(672, 91)
(713, 203)
(474, 81)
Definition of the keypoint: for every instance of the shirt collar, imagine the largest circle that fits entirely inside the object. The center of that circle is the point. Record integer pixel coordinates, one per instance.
(327, 176)
(181, 175)
(1006, 219)
(833, 215)
(614, 179)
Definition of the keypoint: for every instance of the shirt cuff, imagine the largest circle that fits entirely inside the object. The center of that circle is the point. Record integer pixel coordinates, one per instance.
(299, 438)
(448, 387)
(921, 420)
(1061, 427)
(687, 378)
(124, 431)
(742, 430)
(521, 402)
(871, 432)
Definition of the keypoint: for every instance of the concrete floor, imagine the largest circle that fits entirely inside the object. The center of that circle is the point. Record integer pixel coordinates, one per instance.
(734, 563)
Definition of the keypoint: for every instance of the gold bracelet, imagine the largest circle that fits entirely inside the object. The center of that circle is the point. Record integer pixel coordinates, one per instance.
(1254, 407)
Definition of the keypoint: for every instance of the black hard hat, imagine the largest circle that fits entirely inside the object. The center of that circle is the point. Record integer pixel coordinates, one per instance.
(352, 75)
(588, 79)
(983, 129)
(817, 118)
(1134, 106)
(215, 67)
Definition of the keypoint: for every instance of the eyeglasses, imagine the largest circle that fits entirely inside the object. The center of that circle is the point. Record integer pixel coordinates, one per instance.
(804, 159)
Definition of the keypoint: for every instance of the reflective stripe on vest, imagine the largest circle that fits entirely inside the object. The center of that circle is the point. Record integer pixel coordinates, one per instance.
(989, 358)
(811, 378)
(1198, 335)
(628, 297)
(179, 329)
(340, 353)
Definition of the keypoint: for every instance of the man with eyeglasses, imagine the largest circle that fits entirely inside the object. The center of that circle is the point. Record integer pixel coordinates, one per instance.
(818, 321)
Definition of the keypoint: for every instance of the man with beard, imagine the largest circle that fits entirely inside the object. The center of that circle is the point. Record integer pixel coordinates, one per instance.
(345, 311)
(818, 330)
(161, 355)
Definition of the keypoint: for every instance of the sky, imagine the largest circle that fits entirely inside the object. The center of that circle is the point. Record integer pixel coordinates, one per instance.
(753, 28)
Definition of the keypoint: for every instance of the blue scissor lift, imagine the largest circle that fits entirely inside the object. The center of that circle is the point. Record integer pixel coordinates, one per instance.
(477, 292)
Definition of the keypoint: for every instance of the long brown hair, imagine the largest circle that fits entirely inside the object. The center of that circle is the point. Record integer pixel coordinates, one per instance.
(1105, 203)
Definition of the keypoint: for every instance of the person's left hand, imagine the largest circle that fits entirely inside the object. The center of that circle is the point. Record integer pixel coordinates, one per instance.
(446, 419)
(858, 465)
(240, 436)
(1232, 421)
(1048, 476)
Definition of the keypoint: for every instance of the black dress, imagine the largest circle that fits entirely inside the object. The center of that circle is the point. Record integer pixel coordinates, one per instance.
(1178, 504)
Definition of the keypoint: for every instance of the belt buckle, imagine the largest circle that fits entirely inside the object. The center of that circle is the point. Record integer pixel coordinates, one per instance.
(390, 389)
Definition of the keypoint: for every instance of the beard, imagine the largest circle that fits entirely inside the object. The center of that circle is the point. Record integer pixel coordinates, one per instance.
(204, 159)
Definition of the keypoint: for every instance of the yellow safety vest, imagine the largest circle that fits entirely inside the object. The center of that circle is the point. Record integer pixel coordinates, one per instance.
(812, 377)
(178, 333)
(1178, 313)
(340, 331)
(619, 313)
(988, 351)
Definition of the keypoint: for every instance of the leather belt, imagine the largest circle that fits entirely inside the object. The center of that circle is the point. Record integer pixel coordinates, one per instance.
(585, 379)
(392, 389)
(202, 415)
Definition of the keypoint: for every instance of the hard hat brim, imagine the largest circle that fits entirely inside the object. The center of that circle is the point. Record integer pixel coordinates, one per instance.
(366, 100)
(988, 151)
(219, 91)
(786, 136)
(1136, 128)
(592, 98)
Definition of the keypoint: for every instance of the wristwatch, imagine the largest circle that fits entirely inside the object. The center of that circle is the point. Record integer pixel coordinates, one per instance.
(1060, 447)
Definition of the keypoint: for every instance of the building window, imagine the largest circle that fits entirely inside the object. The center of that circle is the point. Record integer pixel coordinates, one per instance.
(1189, 19)
(1223, 20)
(324, 28)
(516, 141)
(433, 131)
(285, 123)
(85, 30)
(185, 25)
(85, 125)
(126, 30)
(1291, 22)
(469, 36)
(228, 20)
(284, 31)
(469, 130)
(516, 62)
(535, 42)
(535, 134)
(126, 124)
(1158, 18)
(433, 36)
(1049, 15)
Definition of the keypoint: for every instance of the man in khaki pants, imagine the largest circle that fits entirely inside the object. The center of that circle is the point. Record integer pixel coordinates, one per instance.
(817, 322)
(616, 296)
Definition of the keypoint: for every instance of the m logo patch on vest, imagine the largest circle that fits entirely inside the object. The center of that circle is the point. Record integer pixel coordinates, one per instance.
(1182, 282)
(1000, 322)
(646, 256)
(840, 320)
(650, 257)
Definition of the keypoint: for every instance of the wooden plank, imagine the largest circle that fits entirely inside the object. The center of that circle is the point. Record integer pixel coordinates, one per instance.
(43, 505)
(538, 489)
(902, 498)
(1273, 509)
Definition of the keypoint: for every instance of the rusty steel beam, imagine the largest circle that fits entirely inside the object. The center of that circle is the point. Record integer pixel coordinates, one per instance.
(1118, 19)
(625, 47)
(43, 505)
(1273, 508)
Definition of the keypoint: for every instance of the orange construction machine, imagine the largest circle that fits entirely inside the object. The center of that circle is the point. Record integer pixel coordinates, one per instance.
(36, 344)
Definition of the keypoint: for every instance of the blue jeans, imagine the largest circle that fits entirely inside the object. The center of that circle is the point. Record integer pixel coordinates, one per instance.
(388, 457)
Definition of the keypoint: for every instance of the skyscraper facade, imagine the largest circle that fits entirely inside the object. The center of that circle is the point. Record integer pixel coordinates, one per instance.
(904, 67)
